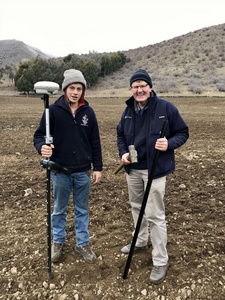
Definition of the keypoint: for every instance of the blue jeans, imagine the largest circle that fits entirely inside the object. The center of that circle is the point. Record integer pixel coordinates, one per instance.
(62, 187)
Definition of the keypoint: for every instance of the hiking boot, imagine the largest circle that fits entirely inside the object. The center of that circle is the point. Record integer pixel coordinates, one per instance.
(56, 251)
(158, 273)
(86, 252)
(126, 249)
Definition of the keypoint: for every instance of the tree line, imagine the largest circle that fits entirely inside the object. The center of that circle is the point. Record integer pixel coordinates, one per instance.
(92, 66)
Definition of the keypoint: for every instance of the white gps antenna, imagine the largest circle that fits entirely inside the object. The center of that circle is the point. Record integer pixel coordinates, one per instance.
(46, 87)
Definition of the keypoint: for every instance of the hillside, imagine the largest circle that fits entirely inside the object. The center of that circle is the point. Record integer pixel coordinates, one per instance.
(13, 51)
(191, 64)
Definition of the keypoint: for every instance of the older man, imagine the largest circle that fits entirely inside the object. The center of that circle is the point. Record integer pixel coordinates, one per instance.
(140, 126)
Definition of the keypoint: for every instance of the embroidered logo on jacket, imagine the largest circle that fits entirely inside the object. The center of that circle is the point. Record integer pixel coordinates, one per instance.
(84, 121)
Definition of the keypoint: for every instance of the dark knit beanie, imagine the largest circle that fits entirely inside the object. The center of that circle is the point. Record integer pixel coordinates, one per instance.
(141, 75)
(73, 76)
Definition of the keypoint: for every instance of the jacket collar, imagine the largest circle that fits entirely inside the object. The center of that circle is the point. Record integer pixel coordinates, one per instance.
(62, 102)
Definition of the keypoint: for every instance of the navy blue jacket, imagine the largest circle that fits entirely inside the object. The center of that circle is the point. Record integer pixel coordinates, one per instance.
(76, 140)
(158, 111)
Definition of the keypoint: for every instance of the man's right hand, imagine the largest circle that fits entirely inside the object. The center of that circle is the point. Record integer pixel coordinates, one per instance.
(124, 159)
(46, 151)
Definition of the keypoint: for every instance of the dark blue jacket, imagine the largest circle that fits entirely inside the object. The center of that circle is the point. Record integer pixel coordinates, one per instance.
(158, 111)
(76, 140)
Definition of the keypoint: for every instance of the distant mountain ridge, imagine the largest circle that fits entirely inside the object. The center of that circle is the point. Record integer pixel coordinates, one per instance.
(13, 51)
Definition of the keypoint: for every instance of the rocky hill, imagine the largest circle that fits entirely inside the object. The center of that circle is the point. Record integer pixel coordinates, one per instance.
(193, 63)
(13, 51)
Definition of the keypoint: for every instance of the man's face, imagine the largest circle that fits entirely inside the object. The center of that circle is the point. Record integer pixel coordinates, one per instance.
(141, 91)
(74, 92)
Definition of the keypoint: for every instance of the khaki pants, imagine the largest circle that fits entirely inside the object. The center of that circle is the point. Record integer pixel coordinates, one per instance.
(154, 213)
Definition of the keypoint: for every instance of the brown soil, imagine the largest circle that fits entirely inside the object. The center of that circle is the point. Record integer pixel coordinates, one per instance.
(194, 207)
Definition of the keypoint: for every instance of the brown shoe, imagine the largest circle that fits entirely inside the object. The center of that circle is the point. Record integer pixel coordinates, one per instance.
(56, 251)
(86, 252)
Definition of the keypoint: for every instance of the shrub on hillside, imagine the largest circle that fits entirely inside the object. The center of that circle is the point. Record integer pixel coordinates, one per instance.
(195, 88)
(219, 64)
(220, 85)
(166, 84)
(189, 81)
(177, 73)
(218, 79)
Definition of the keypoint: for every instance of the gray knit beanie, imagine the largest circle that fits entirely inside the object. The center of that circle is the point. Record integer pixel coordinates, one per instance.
(73, 76)
(141, 75)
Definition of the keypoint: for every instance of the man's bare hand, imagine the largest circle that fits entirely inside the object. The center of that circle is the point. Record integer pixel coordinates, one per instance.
(96, 177)
(161, 144)
(124, 159)
(46, 151)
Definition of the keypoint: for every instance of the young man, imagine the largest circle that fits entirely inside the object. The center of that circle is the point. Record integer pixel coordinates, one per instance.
(140, 126)
(76, 145)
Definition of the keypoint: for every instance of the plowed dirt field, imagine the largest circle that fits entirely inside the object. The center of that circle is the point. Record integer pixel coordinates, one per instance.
(194, 207)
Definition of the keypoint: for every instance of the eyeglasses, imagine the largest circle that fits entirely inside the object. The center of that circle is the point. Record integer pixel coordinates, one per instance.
(136, 87)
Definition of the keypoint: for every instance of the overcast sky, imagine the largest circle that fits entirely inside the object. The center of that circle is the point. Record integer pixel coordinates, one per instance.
(61, 27)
